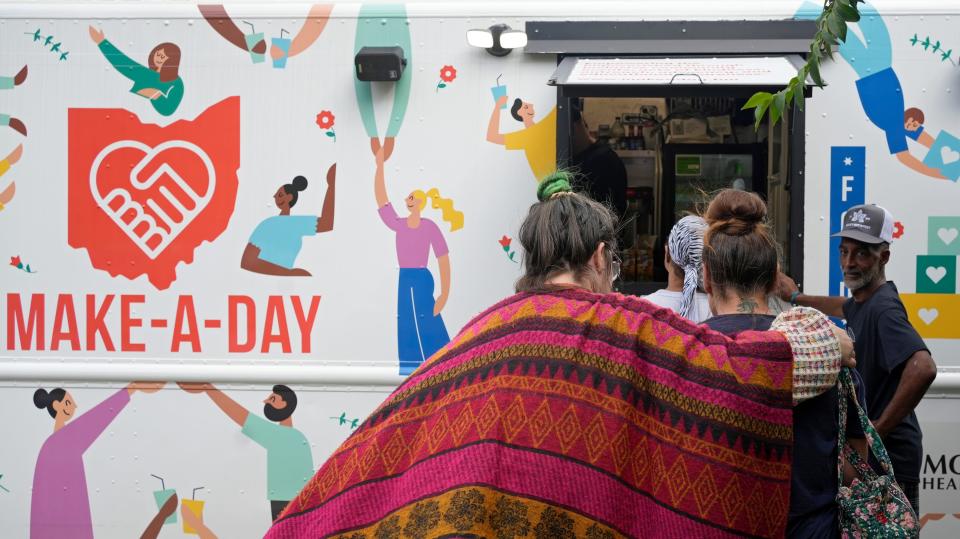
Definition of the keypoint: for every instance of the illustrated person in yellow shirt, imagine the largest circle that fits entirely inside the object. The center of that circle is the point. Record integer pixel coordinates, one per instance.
(538, 140)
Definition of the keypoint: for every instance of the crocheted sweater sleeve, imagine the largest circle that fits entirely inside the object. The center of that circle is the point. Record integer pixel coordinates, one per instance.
(816, 351)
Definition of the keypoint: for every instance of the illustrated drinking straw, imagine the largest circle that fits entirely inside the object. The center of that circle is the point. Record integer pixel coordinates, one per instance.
(252, 29)
(162, 485)
(498, 78)
(282, 31)
(193, 495)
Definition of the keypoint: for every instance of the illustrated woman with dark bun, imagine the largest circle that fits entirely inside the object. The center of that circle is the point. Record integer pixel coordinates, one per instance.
(276, 242)
(60, 506)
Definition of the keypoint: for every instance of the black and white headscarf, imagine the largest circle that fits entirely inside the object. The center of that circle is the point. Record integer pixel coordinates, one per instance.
(685, 244)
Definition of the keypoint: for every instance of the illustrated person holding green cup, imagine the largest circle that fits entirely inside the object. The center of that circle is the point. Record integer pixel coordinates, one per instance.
(282, 48)
(166, 514)
(162, 496)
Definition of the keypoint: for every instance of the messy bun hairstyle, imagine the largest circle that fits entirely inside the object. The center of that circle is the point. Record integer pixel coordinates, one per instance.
(293, 188)
(44, 399)
(739, 249)
(561, 232)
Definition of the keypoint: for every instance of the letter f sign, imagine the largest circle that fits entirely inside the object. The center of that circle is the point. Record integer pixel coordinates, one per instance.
(846, 187)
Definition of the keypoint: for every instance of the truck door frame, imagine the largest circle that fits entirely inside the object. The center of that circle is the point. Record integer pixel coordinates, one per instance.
(675, 39)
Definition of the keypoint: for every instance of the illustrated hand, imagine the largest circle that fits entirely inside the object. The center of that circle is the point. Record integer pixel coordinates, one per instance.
(169, 506)
(299, 272)
(332, 174)
(439, 304)
(14, 156)
(260, 47)
(96, 35)
(847, 355)
(380, 155)
(276, 52)
(195, 387)
(785, 286)
(145, 387)
(374, 145)
(501, 101)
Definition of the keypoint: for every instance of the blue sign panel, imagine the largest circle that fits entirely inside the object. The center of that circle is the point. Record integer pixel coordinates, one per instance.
(847, 189)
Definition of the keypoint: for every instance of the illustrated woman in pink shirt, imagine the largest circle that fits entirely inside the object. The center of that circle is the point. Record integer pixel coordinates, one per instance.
(60, 506)
(420, 328)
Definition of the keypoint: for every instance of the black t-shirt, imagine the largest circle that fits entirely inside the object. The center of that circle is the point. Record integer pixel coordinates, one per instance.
(884, 341)
(606, 177)
(813, 485)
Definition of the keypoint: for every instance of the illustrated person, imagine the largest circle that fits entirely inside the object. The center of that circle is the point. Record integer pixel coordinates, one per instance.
(538, 140)
(216, 15)
(60, 504)
(881, 94)
(168, 508)
(7, 193)
(599, 165)
(276, 242)
(683, 258)
(893, 360)
(384, 25)
(533, 384)
(159, 81)
(8, 83)
(420, 328)
(289, 460)
(740, 261)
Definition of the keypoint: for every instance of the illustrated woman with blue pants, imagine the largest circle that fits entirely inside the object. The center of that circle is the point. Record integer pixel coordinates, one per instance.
(420, 328)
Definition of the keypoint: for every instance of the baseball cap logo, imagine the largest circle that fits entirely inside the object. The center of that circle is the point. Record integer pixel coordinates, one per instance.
(859, 217)
(142, 198)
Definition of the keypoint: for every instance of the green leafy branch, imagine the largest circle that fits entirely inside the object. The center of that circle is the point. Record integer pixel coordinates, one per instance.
(831, 30)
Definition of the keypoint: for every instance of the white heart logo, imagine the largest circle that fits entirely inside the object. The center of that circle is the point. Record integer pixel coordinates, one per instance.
(949, 156)
(937, 273)
(162, 225)
(928, 315)
(947, 235)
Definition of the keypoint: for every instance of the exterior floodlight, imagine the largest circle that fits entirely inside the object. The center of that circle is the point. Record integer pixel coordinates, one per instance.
(498, 40)
(480, 38)
(513, 39)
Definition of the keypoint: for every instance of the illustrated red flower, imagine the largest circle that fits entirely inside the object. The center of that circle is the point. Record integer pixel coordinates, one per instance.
(15, 261)
(505, 242)
(325, 119)
(448, 73)
(897, 230)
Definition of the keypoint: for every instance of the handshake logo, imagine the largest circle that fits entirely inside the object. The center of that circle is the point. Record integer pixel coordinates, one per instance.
(142, 197)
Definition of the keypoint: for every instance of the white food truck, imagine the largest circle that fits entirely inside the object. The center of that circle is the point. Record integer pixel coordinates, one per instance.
(187, 194)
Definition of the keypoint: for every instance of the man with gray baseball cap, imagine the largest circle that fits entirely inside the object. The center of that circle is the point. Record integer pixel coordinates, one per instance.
(893, 360)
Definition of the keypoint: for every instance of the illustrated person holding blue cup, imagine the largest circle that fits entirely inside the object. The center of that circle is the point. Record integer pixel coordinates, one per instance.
(538, 140)
(281, 47)
(159, 81)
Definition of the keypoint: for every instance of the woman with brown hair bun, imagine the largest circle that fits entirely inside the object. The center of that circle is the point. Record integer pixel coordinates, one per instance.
(740, 261)
(568, 410)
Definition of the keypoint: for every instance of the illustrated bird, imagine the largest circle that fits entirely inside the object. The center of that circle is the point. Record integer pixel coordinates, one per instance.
(63, 56)
(56, 47)
(37, 36)
(936, 47)
(48, 41)
(914, 39)
(946, 55)
(926, 43)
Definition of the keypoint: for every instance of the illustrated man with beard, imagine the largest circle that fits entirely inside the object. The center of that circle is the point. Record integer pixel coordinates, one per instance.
(893, 360)
(289, 460)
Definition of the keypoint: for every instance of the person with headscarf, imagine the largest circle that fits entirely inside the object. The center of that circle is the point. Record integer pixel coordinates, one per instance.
(569, 410)
(683, 257)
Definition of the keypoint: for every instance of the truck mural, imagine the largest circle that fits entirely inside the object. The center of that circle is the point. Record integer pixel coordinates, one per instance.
(160, 192)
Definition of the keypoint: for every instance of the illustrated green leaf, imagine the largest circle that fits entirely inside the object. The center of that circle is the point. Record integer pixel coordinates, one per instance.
(441, 85)
(28, 268)
(20, 265)
(330, 134)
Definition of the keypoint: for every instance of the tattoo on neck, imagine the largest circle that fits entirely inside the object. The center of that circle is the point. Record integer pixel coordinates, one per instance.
(746, 305)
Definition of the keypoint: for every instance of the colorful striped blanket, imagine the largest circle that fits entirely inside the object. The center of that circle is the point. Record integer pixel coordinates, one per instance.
(569, 414)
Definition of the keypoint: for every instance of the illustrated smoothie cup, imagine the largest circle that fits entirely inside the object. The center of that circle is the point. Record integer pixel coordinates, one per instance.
(161, 496)
(499, 91)
(195, 506)
(253, 38)
(283, 44)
